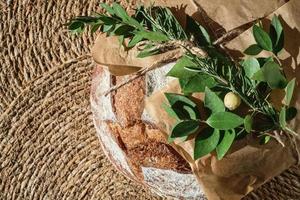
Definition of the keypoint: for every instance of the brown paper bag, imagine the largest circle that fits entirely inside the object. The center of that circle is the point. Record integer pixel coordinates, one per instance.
(108, 52)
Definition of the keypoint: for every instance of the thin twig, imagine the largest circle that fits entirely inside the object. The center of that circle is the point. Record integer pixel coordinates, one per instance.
(175, 44)
(291, 131)
(228, 35)
(276, 136)
(139, 73)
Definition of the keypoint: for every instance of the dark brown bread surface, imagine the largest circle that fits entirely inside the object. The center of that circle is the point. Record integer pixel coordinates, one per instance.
(128, 101)
(145, 145)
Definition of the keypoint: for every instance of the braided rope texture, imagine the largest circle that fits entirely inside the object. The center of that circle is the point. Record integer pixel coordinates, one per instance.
(48, 146)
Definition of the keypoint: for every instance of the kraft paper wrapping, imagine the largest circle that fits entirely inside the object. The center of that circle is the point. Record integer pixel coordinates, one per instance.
(108, 52)
(222, 14)
(247, 165)
(227, 14)
(290, 56)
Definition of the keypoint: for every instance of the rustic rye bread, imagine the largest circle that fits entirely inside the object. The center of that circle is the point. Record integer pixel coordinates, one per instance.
(131, 140)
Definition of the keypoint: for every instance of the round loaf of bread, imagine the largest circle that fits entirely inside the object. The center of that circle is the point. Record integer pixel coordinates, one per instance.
(130, 139)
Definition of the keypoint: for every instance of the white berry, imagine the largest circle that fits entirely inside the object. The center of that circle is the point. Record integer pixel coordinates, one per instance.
(232, 101)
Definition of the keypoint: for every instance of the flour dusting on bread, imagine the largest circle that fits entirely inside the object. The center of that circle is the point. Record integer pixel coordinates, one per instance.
(111, 148)
(172, 183)
(155, 81)
(101, 105)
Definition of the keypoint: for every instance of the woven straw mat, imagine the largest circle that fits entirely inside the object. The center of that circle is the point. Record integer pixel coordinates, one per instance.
(48, 146)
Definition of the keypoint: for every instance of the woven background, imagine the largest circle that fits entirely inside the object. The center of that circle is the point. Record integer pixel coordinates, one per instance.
(48, 146)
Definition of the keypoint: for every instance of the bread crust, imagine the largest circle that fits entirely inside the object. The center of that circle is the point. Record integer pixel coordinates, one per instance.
(138, 146)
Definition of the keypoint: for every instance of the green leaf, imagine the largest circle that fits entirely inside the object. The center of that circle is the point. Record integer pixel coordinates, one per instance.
(206, 142)
(289, 90)
(262, 38)
(183, 106)
(182, 112)
(262, 61)
(171, 140)
(253, 50)
(170, 111)
(136, 39)
(123, 30)
(205, 34)
(279, 46)
(271, 74)
(135, 23)
(248, 123)
(225, 144)
(291, 113)
(258, 76)
(120, 12)
(149, 46)
(282, 117)
(107, 8)
(193, 69)
(213, 102)
(173, 98)
(224, 120)
(184, 128)
(107, 28)
(198, 31)
(251, 66)
(197, 83)
(277, 34)
(265, 139)
(95, 27)
(277, 27)
(179, 71)
(191, 112)
(87, 19)
(146, 53)
(153, 36)
(74, 25)
(107, 20)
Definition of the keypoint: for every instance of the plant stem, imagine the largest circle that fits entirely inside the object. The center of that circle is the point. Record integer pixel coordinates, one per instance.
(291, 131)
